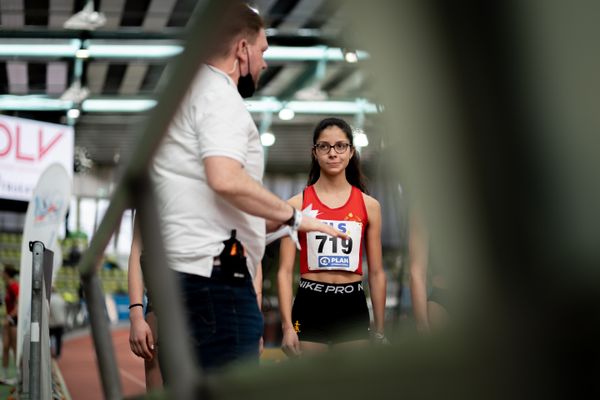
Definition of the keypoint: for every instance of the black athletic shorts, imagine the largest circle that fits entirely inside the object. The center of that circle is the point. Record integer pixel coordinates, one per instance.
(330, 313)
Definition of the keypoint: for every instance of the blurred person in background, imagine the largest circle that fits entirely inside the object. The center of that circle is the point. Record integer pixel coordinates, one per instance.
(429, 306)
(57, 321)
(330, 307)
(143, 329)
(9, 325)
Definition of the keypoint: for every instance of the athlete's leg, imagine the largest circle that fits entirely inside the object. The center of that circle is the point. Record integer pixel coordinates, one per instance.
(353, 344)
(312, 347)
(5, 347)
(13, 340)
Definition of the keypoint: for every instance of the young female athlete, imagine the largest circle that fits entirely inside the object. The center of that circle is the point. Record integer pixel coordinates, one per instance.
(330, 307)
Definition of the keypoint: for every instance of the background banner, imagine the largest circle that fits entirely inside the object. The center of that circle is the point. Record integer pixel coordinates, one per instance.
(27, 148)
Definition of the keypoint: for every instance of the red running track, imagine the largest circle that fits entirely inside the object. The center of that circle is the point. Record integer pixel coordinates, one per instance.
(80, 370)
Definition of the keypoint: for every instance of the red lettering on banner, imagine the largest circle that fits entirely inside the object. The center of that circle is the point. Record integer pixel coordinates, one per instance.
(4, 129)
(21, 156)
(44, 149)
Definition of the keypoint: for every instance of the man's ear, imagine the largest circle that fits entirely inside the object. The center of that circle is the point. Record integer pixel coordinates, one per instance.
(240, 48)
(241, 53)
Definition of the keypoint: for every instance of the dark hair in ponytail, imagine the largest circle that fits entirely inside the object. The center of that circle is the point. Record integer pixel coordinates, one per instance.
(354, 174)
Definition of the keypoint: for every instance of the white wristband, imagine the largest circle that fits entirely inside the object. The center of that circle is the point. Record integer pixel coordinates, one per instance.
(288, 230)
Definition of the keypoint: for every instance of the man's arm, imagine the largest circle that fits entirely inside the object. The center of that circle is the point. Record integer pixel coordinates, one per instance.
(230, 180)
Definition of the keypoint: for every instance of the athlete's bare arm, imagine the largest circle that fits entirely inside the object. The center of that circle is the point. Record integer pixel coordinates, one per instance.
(377, 279)
(287, 255)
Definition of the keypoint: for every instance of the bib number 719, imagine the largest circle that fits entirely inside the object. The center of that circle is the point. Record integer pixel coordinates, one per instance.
(345, 246)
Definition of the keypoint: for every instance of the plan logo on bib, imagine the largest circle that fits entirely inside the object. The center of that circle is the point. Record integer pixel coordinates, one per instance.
(334, 261)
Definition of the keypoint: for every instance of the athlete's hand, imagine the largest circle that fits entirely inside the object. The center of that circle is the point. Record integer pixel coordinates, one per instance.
(290, 343)
(141, 340)
(310, 224)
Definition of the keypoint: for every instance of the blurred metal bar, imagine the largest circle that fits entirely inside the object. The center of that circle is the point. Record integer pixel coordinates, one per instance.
(175, 343)
(176, 354)
(36, 376)
(35, 355)
(109, 373)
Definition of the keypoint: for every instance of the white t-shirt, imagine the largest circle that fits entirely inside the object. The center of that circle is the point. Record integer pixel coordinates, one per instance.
(212, 121)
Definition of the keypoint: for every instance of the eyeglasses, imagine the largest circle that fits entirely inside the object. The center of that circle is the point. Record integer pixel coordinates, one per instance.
(324, 147)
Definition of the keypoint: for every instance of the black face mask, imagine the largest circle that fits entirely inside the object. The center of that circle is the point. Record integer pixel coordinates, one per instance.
(246, 86)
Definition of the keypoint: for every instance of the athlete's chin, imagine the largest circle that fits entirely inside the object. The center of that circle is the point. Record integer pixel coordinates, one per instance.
(333, 171)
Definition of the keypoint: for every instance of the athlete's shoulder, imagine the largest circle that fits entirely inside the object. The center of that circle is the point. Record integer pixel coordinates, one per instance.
(371, 204)
(370, 200)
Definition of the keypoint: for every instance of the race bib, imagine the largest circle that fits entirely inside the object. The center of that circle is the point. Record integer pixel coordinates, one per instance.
(330, 253)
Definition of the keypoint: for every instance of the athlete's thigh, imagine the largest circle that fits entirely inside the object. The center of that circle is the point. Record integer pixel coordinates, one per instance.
(353, 344)
(312, 347)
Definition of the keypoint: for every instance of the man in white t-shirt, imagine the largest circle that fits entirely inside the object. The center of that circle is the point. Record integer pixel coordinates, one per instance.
(214, 210)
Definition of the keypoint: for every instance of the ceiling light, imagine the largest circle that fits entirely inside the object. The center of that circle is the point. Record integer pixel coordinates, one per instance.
(350, 56)
(360, 138)
(49, 48)
(105, 50)
(332, 107)
(267, 139)
(102, 48)
(33, 103)
(82, 54)
(77, 94)
(286, 114)
(73, 113)
(117, 105)
(310, 53)
(271, 104)
(311, 94)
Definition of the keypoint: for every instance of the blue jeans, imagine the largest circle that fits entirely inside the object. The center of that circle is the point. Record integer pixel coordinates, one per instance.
(224, 320)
